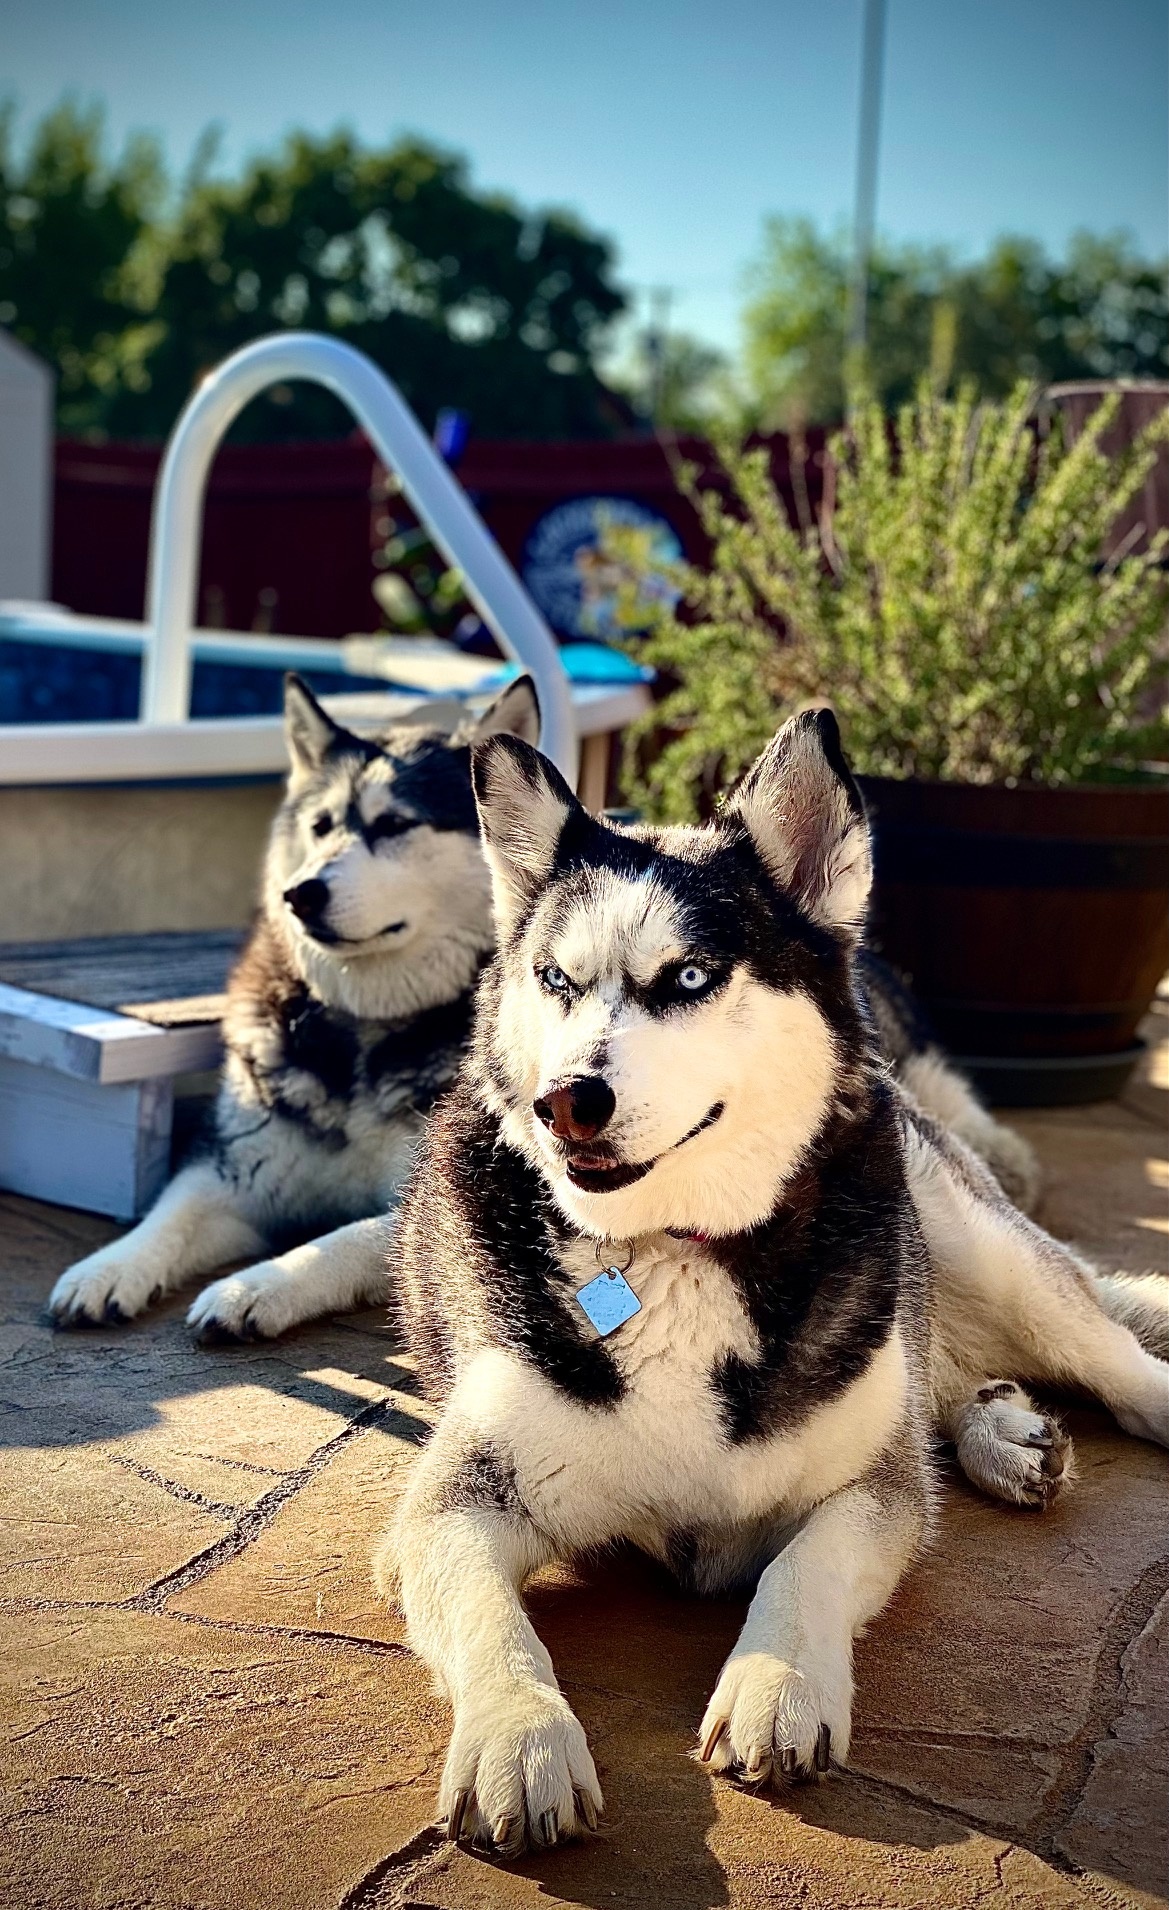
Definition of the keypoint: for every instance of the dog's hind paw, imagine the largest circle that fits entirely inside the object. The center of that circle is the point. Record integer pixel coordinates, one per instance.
(1009, 1448)
(519, 1774)
(256, 1304)
(769, 1720)
(105, 1289)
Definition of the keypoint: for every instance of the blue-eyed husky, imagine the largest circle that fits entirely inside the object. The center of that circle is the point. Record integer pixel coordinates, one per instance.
(687, 1266)
(347, 1016)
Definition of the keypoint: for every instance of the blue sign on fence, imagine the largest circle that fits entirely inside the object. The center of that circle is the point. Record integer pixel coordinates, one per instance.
(573, 580)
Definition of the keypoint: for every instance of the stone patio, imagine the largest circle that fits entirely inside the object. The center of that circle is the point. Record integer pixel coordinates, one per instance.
(205, 1708)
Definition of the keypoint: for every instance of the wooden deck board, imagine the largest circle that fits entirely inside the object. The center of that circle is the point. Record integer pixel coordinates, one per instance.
(93, 1034)
(172, 980)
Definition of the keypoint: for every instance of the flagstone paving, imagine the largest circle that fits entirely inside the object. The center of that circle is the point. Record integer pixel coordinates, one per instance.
(204, 1707)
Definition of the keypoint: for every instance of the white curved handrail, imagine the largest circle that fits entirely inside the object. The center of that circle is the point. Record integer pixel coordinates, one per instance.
(399, 440)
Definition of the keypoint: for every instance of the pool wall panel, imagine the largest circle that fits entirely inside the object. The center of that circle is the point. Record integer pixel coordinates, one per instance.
(118, 859)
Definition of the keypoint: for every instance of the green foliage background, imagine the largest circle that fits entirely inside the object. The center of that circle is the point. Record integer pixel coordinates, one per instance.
(951, 606)
(1102, 312)
(468, 299)
(133, 285)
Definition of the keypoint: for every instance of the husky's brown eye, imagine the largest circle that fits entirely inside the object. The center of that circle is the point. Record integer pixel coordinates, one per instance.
(322, 824)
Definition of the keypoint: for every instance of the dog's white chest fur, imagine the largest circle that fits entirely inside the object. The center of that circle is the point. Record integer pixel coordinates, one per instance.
(661, 1460)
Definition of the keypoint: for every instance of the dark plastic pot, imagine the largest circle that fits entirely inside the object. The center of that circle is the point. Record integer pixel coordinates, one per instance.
(1033, 925)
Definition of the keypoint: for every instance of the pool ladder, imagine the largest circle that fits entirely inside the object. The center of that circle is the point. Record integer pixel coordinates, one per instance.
(387, 420)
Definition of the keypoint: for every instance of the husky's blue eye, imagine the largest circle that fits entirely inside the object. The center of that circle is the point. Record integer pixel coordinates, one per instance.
(554, 979)
(322, 824)
(692, 978)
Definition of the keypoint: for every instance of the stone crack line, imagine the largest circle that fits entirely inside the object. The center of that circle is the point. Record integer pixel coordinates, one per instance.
(240, 1465)
(383, 1887)
(925, 1800)
(1043, 1833)
(255, 1519)
(1145, 1115)
(376, 1647)
(1107, 1701)
(176, 1489)
(928, 1735)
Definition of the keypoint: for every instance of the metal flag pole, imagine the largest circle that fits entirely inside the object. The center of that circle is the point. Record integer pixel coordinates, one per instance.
(868, 145)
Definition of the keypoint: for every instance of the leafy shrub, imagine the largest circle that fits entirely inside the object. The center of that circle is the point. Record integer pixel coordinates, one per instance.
(950, 604)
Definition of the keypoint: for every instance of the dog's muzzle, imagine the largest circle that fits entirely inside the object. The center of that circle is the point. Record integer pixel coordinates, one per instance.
(309, 902)
(594, 1165)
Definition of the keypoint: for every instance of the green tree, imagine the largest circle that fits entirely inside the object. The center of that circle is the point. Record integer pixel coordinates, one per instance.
(466, 300)
(463, 296)
(75, 232)
(676, 382)
(1103, 312)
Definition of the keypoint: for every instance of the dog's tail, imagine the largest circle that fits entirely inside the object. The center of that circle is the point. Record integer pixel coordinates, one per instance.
(907, 1041)
(1139, 1301)
(945, 1094)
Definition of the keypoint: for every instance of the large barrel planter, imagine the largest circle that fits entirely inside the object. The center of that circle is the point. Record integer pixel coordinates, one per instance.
(1032, 924)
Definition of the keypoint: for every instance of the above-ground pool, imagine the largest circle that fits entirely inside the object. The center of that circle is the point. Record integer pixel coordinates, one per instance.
(60, 668)
(112, 826)
(89, 670)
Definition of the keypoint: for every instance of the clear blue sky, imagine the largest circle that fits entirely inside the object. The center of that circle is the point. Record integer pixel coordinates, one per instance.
(673, 125)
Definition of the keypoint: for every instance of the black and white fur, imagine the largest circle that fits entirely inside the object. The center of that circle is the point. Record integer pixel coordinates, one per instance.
(921, 1065)
(344, 1025)
(673, 1056)
(347, 1016)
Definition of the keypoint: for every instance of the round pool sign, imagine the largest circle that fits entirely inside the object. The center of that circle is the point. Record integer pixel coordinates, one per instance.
(571, 578)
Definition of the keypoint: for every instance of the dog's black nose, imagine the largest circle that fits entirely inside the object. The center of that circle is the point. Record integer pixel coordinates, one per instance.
(577, 1110)
(308, 900)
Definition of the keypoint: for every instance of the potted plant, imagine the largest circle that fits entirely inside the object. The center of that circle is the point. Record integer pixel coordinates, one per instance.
(997, 684)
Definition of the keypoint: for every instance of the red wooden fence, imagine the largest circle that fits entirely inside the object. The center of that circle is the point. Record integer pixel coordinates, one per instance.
(290, 530)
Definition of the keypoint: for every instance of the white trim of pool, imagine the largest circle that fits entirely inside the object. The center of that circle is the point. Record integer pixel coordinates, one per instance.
(231, 746)
(211, 748)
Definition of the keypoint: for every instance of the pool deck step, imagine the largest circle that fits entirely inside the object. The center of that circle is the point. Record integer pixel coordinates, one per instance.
(165, 978)
(93, 1034)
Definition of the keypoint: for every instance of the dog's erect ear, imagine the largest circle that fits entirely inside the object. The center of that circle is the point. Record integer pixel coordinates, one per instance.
(804, 813)
(524, 803)
(515, 712)
(309, 732)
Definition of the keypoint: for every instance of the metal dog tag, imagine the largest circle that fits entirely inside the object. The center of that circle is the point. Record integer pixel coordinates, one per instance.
(608, 1301)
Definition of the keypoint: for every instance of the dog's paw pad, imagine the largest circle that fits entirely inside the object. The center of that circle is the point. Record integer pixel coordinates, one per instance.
(768, 1721)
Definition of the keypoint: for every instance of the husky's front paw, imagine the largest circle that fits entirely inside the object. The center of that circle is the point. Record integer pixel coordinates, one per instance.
(104, 1289)
(519, 1773)
(256, 1304)
(1010, 1449)
(768, 1718)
